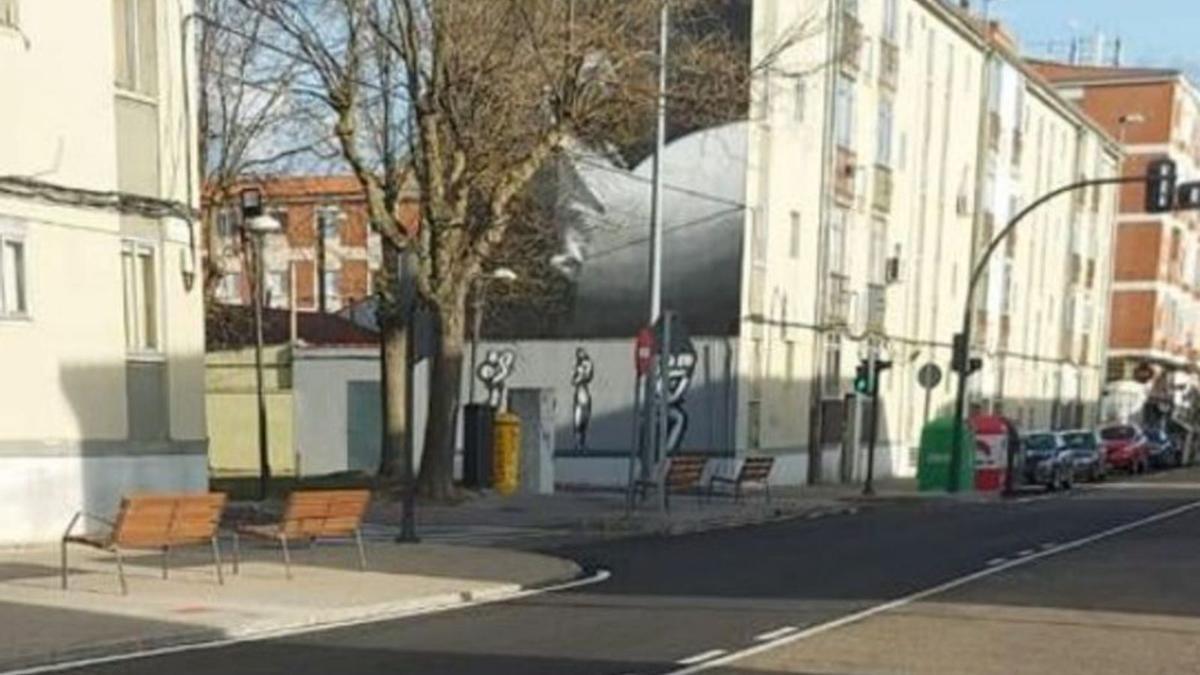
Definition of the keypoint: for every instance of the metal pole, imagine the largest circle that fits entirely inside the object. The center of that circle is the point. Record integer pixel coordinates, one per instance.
(960, 399)
(873, 418)
(408, 521)
(660, 422)
(264, 462)
(656, 197)
(477, 322)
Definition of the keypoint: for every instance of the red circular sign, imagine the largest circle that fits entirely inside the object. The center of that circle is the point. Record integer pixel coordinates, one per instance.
(643, 353)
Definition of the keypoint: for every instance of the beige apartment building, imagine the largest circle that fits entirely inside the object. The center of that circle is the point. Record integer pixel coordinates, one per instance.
(101, 329)
(873, 186)
(1155, 330)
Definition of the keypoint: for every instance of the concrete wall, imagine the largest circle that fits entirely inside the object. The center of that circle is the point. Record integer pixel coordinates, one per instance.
(232, 402)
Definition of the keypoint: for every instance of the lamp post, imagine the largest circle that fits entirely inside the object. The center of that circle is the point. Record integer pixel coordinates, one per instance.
(258, 225)
(480, 291)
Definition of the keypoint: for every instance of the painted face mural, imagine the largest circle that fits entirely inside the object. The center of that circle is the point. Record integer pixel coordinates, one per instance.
(494, 371)
(581, 411)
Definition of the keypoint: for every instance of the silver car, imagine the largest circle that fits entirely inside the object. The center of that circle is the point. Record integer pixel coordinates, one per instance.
(1048, 461)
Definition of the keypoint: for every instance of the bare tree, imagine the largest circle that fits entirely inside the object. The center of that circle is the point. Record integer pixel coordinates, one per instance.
(469, 99)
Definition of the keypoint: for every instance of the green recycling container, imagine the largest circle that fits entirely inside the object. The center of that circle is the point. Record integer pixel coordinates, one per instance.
(933, 461)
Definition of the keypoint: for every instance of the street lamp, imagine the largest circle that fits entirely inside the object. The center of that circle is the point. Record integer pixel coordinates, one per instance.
(258, 225)
(479, 285)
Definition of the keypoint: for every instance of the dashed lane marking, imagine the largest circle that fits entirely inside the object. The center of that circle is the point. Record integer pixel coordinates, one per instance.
(776, 634)
(701, 657)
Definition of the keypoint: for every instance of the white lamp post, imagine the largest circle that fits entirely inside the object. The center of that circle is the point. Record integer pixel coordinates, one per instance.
(258, 224)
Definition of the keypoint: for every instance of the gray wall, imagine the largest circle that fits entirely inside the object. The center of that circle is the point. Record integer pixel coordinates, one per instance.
(337, 410)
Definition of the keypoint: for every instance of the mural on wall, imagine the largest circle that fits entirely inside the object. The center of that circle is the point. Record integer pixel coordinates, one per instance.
(681, 366)
(494, 371)
(581, 412)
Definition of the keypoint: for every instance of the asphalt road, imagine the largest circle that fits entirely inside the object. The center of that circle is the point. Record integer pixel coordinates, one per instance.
(671, 601)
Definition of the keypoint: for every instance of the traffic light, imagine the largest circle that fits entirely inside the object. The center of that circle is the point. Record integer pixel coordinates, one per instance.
(1160, 186)
(1187, 196)
(961, 357)
(862, 378)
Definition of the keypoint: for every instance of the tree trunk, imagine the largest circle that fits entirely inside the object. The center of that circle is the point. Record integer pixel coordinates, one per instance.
(445, 386)
(395, 461)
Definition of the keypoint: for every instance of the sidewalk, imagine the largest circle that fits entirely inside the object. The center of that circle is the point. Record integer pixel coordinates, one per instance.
(536, 521)
(44, 625)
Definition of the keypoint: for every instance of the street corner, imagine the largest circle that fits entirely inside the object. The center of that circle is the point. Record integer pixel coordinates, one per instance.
(91, 621)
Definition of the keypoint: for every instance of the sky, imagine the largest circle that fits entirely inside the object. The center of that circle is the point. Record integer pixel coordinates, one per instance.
(1153, 32)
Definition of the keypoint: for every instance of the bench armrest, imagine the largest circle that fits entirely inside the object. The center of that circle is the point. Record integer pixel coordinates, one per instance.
(84, 515)
(724, 479)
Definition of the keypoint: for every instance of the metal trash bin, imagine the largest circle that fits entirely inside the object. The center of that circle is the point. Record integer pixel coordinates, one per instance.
(477, 445)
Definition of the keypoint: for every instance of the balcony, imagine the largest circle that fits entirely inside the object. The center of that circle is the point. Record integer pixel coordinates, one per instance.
(837, 300)
(1091, 273)
(1085, 350)
(850, 48)
(1076, 269)
(881, 193)
(843, 185)
(889, 64)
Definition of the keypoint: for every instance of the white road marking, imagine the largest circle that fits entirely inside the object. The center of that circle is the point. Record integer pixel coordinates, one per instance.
(598, 577)
(934, 590)
(701, 657)
(996, 561)
(776, 634)
(1025, 553)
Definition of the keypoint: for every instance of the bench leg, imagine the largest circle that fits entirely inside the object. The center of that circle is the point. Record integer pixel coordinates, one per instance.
(287, 556)
(166, 553)
(362, 555)
(63, 553)
(216, 552)
(237, 553)
(121, 572)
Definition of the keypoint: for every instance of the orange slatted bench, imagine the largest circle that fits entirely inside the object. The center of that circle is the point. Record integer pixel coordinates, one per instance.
(153, 521)
(311, 515)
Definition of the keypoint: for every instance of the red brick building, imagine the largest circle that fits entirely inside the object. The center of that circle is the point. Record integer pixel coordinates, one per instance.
(1156, 276)
(325, 258)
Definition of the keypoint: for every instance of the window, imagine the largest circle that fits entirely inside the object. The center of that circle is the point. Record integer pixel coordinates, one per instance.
(231, 287)
(789, 358)
(794, 238)
(843, 113)
(883, 134)
(877, 254)
(332, 284)
(890, 21)
(831, 384)
(9, 13)
(758, 232)
(13, 295)
(328, 219)
(280, 214)
(277, 289)
(141, 297)
(800, 99)
(135, 45)
(836, 250)
(226, 222)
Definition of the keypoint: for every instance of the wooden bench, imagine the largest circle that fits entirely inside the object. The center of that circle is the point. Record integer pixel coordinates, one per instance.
(311, 515)
(153, 521)
(678, 473)
(754, 471)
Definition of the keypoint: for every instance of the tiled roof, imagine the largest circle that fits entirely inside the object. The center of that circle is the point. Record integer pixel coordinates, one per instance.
(1064, 72)
(232, 327)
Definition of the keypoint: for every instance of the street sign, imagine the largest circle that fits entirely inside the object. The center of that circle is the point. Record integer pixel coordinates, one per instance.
(643, 351)
(929, 376)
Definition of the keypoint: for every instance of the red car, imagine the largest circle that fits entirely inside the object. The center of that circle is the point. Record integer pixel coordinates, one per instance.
(1126, 447)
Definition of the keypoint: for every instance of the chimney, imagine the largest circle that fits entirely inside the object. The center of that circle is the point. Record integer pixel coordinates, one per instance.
(1117, 48)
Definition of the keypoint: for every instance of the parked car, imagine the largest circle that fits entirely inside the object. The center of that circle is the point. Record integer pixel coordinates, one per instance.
(1125, 447)
(1164, 452)
(1048, 461)
(1086, 453)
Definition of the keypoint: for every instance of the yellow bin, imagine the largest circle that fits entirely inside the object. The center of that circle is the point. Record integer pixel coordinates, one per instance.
(507, 441)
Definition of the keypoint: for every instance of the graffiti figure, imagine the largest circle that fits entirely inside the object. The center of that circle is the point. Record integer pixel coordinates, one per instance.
(581, 378)
(493, 372)
(680, 368)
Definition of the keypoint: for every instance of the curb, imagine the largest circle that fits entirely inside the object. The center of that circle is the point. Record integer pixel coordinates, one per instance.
(133, 648)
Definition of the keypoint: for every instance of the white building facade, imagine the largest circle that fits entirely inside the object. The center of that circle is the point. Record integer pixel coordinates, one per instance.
(884, 152)
(101, 324)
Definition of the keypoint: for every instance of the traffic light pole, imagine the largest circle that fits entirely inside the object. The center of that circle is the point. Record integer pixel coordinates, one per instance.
(873, 420)
(961, 368)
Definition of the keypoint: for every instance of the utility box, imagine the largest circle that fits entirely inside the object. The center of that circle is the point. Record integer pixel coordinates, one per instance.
(933, 463)
(506, 439)
(535, 408)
